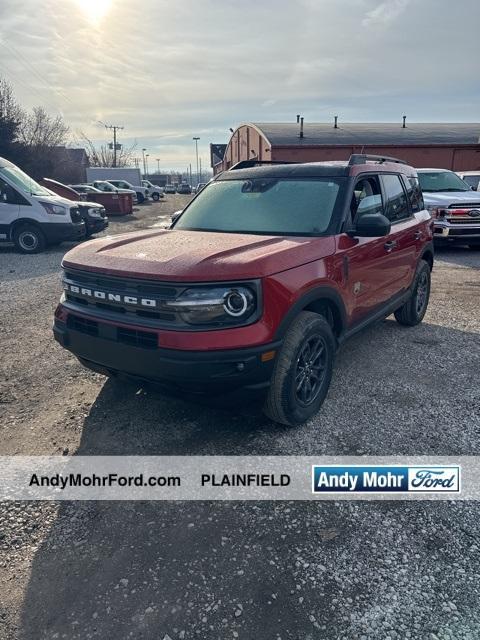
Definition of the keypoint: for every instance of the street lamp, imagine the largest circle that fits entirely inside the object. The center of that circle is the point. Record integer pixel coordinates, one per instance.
(196, 154)
(146, 162)
(144, 165)
(158, 165)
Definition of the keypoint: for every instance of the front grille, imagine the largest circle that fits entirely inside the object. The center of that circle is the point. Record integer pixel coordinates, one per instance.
(134, 287)
(117, 290)
(77, 323)
(461, 220)
(75, 214)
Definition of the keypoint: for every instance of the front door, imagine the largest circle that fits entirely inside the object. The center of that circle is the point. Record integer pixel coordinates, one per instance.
(367, 261)
(9, 209)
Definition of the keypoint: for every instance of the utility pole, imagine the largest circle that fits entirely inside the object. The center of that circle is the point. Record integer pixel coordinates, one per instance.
(190, 167)
(200, 170)
(146, 162)
(158, 165)
(144, 165)
(196, 153)
(114, 127)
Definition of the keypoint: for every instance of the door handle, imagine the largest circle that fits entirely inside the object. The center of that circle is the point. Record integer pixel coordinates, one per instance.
(418, 235)
(390, 245)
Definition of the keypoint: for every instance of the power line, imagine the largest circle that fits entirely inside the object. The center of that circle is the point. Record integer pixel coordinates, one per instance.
(113, 127)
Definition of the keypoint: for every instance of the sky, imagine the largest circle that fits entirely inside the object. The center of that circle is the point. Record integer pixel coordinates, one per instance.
(169, 71)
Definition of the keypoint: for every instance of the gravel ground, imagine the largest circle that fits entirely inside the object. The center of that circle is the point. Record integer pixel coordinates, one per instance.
(266, 571)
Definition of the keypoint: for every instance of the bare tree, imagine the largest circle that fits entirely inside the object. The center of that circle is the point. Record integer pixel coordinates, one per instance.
(102, 155)
(11, 117)
(40, 131)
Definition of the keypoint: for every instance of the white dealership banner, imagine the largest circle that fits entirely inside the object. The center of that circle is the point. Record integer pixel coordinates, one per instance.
(238, 478)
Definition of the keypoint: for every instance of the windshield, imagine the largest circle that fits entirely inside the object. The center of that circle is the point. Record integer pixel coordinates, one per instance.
(19, 179)
(441, 181)
(268, 206)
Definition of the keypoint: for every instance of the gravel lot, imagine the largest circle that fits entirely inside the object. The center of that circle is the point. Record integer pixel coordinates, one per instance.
(266, 571)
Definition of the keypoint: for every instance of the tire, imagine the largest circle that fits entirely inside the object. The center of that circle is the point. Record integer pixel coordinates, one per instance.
(140, 197)
(413, 311)
(287, 402)
(29, 239)
(156, 197)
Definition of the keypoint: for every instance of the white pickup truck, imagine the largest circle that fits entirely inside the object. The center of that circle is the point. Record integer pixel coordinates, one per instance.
(154, 191)
(142, 192)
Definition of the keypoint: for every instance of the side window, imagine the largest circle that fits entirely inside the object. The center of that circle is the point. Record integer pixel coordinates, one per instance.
(367, 197)
(397, 204)
(9, 195)
(414, 192)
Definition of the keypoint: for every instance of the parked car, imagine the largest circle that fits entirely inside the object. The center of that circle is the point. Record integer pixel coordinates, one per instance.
(184, 188)
(262, 276)
(472, 178)
(200, 186)
(114, 203)
(154, 191)
(93, 213)
(170, 188)
(455, 208)
(142, 192)
(33, 217)
(108, 187)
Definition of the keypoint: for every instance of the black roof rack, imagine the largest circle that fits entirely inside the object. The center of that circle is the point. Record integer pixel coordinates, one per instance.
(363, 158)
(247, 164)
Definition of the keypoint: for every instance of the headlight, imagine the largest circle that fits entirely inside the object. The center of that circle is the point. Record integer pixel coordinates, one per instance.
(54, 209)
(228, 305)
(95, 212)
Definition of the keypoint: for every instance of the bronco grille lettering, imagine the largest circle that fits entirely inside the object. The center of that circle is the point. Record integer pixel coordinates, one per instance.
(111, 297)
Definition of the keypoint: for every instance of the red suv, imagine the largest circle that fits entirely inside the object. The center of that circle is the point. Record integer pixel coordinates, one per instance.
(259, 280)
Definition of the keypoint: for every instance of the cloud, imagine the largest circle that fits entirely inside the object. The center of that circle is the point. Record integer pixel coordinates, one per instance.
(168, 75)
(386, 13)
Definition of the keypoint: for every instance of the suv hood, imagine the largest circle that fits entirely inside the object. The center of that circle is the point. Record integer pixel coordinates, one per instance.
(54, 199)
(446, 198)
(196, 256)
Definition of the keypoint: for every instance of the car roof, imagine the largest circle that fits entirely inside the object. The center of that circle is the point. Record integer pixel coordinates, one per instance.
(337, 168)
(425, 169)
(469, 173)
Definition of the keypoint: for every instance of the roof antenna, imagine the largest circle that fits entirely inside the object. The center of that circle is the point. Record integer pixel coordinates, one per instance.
(298, 118)
(404, 126)
(335, 126)
(301, 127)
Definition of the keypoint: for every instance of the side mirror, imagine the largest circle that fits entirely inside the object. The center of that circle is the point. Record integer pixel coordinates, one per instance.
(371, 225)
(176, 215)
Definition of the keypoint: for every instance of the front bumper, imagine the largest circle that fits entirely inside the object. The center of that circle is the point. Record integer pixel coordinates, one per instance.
(95, 225)
(110, 350)
(450, 232)
(63, 231)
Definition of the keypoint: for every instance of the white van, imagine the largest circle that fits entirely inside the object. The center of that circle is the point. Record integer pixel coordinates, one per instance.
(31, 216)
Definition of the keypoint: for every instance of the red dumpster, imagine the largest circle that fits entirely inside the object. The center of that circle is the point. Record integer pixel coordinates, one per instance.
(114, 203)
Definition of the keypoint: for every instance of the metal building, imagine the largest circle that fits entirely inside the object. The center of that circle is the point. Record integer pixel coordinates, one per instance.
(444, 145)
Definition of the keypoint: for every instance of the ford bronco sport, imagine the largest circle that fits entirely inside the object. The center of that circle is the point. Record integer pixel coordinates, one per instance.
(267, 270)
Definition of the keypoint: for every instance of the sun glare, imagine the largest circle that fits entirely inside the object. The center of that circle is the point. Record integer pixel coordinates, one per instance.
(94, 10)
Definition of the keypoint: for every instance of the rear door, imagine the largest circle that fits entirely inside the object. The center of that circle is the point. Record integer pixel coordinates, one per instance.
(404, 236)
